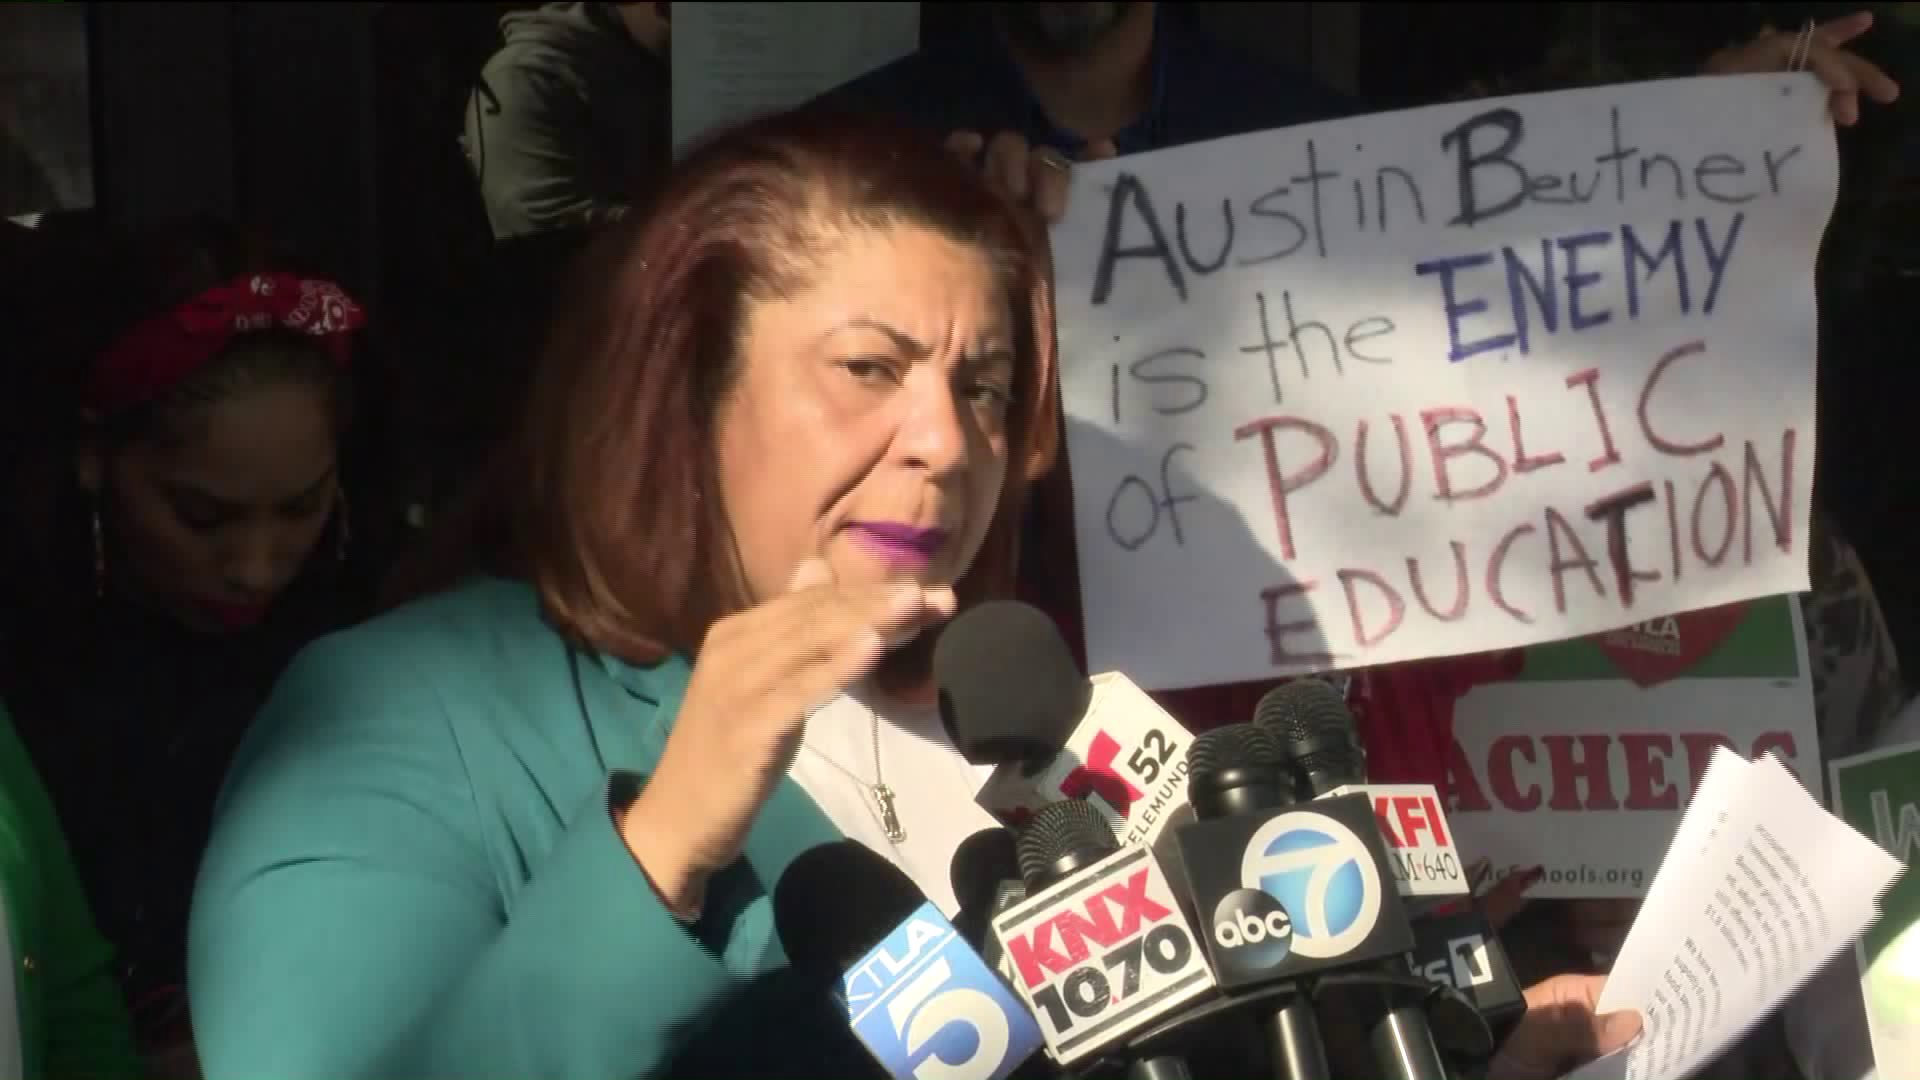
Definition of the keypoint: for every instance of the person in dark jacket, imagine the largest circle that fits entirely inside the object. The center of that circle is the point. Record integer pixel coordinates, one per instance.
(569, 115)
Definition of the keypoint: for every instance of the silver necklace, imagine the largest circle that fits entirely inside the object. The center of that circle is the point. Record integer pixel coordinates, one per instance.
(881, 794)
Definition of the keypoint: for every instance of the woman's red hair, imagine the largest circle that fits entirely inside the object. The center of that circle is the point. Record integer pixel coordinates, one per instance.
(607, 494)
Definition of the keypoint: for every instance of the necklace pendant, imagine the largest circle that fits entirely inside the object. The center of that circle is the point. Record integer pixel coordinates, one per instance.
(889, 817)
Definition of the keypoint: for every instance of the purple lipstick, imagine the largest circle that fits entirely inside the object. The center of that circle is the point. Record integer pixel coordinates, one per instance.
(904, 547)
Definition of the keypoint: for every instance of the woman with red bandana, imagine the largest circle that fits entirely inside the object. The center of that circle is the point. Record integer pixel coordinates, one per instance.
(174, 463)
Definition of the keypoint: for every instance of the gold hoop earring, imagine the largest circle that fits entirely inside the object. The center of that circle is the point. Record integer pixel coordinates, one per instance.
(99, 556)
(343, 531)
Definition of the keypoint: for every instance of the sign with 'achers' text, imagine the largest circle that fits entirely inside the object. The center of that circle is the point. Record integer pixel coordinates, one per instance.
(1582, 764)
(1442, 381)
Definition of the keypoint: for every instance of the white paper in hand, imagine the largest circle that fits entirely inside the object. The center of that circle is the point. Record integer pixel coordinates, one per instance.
(1761, 887)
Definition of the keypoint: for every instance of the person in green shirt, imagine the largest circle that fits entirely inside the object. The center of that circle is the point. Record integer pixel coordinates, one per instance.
(67, 1020)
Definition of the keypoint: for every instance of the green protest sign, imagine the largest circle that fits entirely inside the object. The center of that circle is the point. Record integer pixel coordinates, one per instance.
(1879, 794)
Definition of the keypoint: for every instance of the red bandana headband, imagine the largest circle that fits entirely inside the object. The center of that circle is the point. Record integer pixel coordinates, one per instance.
(156, 355)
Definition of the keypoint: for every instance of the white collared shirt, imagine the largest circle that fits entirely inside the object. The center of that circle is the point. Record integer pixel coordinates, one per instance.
(933, 786)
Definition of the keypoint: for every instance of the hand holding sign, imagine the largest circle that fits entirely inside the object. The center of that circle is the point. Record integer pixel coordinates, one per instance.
(1845, 74)
(1030, 175)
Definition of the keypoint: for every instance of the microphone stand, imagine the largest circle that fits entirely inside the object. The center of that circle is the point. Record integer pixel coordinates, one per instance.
(1232, 788)
(1323, 751)
(1164, 1067)
(1444, 1007)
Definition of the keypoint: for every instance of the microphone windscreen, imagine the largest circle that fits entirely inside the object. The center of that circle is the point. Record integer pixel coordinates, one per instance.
(1303, 709)
(834, 904)
(1009, 689)
(1073, 827)
(980, 864)
(1316, 733)
(1232, 746)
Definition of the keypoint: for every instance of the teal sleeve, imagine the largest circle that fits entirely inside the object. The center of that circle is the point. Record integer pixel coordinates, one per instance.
(348, 923)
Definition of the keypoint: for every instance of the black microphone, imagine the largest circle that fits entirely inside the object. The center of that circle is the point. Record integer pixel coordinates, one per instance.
(1061, 840)
(1456, 947)
(986, 881)
(834, 903)
(1322, 750)
(850, 920)
(1166, 851)
(1321, 747)
(1012, 697)
(1010, 692)
(1235, 771)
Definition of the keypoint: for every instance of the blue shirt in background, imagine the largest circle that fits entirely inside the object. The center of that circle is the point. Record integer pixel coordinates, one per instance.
(1202, 90)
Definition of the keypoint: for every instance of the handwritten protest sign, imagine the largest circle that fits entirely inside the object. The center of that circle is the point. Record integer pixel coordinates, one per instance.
(1447, 380)
(1583, 763)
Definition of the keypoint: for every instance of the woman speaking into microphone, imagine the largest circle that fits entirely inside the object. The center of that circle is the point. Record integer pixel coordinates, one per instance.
(527, 826)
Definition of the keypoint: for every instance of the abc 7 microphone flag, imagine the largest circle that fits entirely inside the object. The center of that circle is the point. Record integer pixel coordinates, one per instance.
(1291, 891)
(1101, 953)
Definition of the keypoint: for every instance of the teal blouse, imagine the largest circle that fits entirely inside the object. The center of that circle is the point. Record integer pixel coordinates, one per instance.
(414, 874)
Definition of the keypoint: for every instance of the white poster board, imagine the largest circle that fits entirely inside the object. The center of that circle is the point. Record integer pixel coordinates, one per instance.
(737, 60)
(1442, 381)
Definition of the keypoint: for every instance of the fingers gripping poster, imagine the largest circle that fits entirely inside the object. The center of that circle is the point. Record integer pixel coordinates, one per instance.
(1442, 381)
